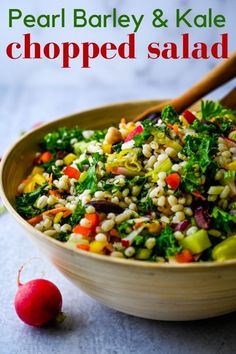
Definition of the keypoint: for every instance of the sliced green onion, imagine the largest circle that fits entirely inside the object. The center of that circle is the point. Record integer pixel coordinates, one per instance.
(215, 190)
(229, 175)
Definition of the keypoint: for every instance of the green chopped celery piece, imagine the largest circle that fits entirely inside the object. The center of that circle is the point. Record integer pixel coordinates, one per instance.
(225, 250)
(163, 167)
(80, 147)
(83, 176)
(215, 190)
(197, 242)
(143, 253)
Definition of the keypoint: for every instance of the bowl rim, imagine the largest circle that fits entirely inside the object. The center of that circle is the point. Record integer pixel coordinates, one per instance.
(114, 260)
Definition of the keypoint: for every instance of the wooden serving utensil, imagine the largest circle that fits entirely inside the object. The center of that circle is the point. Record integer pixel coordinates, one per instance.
(229, 100)
(218, 76)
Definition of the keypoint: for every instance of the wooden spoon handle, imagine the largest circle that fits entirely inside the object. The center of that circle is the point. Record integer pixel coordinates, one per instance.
(229, 100)
(218, 76)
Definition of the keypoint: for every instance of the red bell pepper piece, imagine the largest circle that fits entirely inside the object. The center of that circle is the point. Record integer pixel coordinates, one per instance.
(125, 243)
(45, 157)
(82, 230)
(189, 116)
(198, 195)
(184, 257)
(173, 180)
(93, 218)
(83, 247)
(135, 131)
(71, 172)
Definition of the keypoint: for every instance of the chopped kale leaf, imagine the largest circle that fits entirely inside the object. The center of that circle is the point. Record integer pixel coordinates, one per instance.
(60, 140)
(90, 182)
(199, 151)
(169, 115)
(25, 202)
(77, 214)
(166, 243)
(223, 220)
(211, 109)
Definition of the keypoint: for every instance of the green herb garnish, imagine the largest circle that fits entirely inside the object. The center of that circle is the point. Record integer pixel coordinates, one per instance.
(166, 243)
(169, 115)
(60, 140)
(77, 214)
(211, 109)
(223, 220)
(25, 202)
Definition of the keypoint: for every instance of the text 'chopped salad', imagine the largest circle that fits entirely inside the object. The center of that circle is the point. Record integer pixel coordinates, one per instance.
(160, 190)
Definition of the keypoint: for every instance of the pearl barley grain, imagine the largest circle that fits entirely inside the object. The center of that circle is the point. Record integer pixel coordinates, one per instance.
(107, 225)
(42, 202)
(101, 237)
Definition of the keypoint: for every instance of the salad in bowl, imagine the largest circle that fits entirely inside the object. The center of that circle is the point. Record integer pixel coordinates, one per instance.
(159, 190)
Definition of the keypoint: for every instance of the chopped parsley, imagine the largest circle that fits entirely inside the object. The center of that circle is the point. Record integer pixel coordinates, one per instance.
(90, 182)
(141, 138)
(25, 202)
(166, 243)
(60, 140)
(211, 109)
(169, 115)
(50, 167)
(223, 220)
(199, 150)
(77, 214)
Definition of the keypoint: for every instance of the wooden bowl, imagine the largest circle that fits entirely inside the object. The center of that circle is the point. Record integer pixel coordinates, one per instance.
(171, 292)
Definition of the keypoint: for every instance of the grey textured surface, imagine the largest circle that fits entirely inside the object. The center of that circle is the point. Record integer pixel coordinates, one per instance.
(35, 91)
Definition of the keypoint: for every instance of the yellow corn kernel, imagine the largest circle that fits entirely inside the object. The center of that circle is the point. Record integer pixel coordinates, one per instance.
(106, 148)
(29, 187)
(58, 217)
(184, 121)
(231, 166)
(39, 179)
(68, 159)
(97, 246)
(131, 128)
(37, 171)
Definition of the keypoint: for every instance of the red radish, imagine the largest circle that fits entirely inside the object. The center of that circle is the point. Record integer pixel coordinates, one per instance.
(135, 131)
(228, 141)
(120, 171)
(189, 116)
(37, 302)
